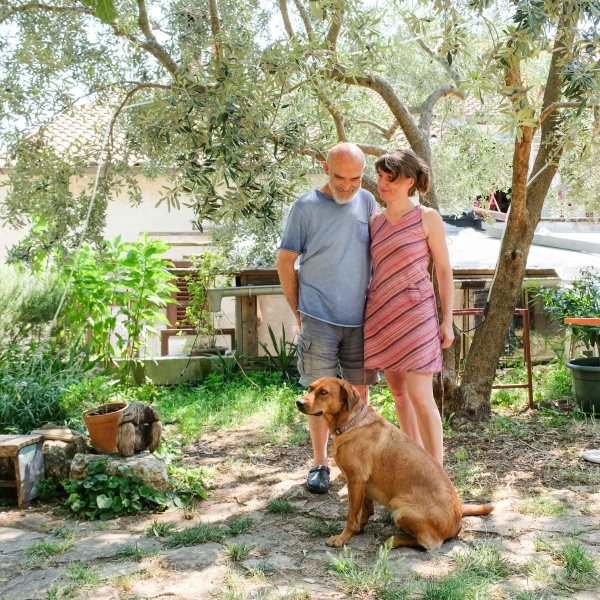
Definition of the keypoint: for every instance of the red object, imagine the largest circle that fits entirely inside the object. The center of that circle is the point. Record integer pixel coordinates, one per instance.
(523, 312)
(589, 321)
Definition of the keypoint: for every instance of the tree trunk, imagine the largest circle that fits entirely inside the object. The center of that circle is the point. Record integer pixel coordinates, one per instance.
(472, 399)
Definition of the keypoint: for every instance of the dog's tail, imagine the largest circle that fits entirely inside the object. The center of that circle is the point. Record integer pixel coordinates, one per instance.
(473, 510)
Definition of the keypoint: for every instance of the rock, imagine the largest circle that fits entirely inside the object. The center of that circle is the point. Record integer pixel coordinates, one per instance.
(106, 544)
(281, 562)
(104, 592)
(151, 470)
(54, 432)
(593, 537)
(219, 512)
(34, 584)
(194, 556)
(58, 456)
(267, 539)
(15, 540)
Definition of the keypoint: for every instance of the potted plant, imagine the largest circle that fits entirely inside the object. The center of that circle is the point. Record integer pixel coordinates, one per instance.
(207, 269)
(580, 299)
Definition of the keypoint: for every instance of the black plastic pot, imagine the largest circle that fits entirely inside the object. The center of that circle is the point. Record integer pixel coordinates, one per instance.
(585, 375)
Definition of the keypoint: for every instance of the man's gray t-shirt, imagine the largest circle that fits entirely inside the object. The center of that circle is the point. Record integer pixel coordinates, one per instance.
(335, 259)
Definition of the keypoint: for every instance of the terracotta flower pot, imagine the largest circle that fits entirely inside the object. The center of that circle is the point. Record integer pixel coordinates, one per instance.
(103, 423)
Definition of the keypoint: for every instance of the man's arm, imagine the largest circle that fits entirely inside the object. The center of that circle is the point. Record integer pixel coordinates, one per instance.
(289, 279)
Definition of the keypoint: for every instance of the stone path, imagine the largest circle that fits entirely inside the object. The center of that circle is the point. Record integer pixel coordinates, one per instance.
(284, 560)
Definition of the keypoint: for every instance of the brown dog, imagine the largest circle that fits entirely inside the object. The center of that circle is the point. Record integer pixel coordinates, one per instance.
(381, 464)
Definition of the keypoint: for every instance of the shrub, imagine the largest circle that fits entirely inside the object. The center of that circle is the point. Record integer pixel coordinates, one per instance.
(104, 497)
(87, 394)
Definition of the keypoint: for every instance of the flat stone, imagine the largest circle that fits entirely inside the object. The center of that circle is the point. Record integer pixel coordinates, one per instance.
(509, 524)
(281, 562)
(194, 556)
(35, 520)
(591, 455)
(267, 539)
(105, 592)
(9, 565)
(586, 596)
(34, 584)
(106, 544)
(361, 541)
(151, 470)
(219, 512)
(15, 540)
(119, 569)
(195, 584)
(593, 537)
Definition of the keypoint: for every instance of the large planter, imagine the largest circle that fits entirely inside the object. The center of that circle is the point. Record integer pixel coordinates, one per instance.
(585, 374)
(103, 424)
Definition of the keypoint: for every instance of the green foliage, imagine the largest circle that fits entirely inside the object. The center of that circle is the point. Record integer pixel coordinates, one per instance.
(284, 352)
(27, 305)
(32, 382)
(131, 276)
(87, 394)
(237, 552)
(580, 299)
(197, 534)
(357, 580)
(47, 489)
(579, 567)
(134, 553)
(208, 268)
(239, 525)
(279, 506)
(188, 482)
(104, 497)
(325, 528)
(482, 561)
(541, 506)
(49, 548)
(160, 529)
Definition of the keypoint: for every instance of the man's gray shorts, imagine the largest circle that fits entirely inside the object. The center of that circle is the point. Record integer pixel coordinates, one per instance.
(322, 347)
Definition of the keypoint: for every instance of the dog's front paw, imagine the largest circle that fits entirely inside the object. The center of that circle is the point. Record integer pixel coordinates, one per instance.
(336, 541)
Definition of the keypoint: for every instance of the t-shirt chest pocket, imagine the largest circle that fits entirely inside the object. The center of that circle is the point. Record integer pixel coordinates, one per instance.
(362, 230)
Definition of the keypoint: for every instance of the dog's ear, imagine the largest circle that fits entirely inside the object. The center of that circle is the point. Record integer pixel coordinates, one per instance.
(349, 394)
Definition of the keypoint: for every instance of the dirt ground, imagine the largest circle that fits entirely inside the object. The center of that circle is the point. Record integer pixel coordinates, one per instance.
(528, 465)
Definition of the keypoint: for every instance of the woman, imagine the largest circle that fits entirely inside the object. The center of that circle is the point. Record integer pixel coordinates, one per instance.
(402, 333)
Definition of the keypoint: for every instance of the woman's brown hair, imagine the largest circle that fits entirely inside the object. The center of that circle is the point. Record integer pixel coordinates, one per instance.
(407, 164)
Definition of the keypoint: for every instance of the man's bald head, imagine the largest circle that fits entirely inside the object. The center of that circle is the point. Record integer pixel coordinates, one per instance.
(345, 166)
(345, 152)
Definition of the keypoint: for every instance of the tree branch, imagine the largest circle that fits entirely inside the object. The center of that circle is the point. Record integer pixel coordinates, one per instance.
(379, 128)
(452, 71)
(556, 106)
(151, 45)
(335, 27)
(285, 15)
(372, 150)
(305, 16)
(215, 24)
(429, 104)
(45, 7)
(338, 119)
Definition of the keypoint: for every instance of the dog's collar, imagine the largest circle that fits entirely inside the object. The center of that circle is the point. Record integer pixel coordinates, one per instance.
(352, 422)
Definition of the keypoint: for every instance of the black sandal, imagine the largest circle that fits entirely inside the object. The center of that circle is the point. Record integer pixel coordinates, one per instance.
(318, 479)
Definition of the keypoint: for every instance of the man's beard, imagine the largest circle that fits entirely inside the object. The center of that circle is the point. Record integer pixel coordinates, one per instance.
(339, 199)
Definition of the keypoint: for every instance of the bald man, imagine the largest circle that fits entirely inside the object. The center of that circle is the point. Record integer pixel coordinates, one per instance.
(329, 229)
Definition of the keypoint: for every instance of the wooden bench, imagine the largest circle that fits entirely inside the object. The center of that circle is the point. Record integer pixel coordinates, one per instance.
(25, 454)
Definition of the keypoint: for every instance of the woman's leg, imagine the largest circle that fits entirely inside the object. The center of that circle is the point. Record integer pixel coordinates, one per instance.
(405, 412)
(420, 391)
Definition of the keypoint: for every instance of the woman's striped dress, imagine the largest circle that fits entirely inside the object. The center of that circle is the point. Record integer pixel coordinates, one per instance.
(401, 322)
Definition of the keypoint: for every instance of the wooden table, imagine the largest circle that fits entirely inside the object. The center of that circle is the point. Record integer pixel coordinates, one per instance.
(25, 454)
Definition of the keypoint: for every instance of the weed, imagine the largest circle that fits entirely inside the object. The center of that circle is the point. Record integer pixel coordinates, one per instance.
(279, 506)
(528, 596)
(456, 586)
(80, 576)
(324, 528)
(134, 553)
(46, 548)
(237, 552)
(48, 490)
(579, 568)
(367, 580)
(294, 594)
(52, 593)
(159, 529)
(461, 454)
(388, 517)
(100, 526)
(482, 561)
(198, 534)
(239, 525)
(541, 506)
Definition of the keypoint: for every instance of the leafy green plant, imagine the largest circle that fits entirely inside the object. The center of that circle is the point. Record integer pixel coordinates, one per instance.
(47, 489)
(87, 394)
(284, 352)
(159, 529)
(104, 497)
(32, 382)
(188, 482)
(197, 534)
(207, 269)
(237, 552)
(239, 525)
(580, 299)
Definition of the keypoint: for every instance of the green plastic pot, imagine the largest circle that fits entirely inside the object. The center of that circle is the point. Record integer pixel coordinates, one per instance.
(585, 375)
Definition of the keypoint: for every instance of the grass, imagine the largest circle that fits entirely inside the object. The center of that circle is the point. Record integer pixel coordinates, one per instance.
(49, 548)
(456, 586)
(482, 561)
(80, 577)
(135, 553)
(388, 517)
(279, 506)
(198, 534)
(159, 529)
(237, 552)
(217, 403)
(325, 528)
(362, 580)
(239, 525)
(541, 506)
